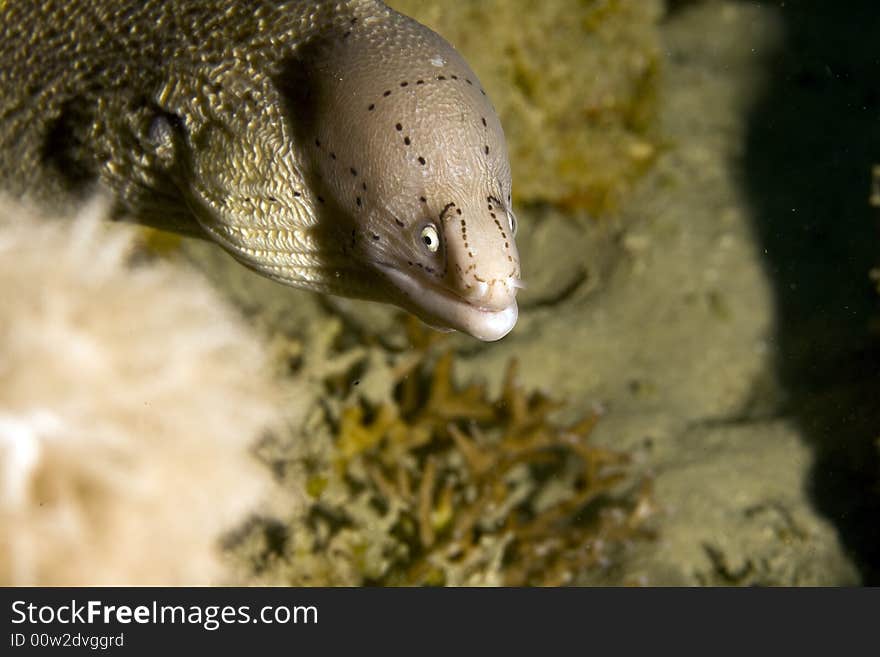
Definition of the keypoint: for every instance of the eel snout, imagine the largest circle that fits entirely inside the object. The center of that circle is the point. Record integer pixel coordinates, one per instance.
(487, 313)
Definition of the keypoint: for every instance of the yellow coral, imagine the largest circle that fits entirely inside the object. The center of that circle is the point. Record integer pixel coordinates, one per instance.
(441, 484)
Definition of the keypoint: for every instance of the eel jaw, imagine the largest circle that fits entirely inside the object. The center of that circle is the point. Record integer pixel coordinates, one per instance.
(441, 308)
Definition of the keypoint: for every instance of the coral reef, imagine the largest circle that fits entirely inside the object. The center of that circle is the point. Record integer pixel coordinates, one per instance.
(129, 396)
(444, 485)
(575, 86)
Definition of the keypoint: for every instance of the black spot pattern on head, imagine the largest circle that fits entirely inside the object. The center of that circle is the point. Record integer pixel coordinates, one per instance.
(486, 149)
(483, 119)
(446, 209)
(422, 160)
(498, 225)
(398, 127)
(407, 141)
(421, 81)
(353, 170)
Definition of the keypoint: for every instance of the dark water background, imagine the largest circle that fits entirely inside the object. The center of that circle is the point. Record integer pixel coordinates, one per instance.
(813, 138)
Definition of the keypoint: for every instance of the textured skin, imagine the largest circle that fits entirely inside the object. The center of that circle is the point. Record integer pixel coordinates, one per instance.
(314, 141)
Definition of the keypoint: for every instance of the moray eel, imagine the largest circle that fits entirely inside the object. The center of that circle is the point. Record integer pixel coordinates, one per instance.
(339, 147)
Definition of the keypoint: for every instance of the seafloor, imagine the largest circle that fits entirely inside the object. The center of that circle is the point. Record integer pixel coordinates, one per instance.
(711, 297)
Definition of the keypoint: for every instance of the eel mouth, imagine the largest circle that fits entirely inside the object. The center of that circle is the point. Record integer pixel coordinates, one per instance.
(442, 308)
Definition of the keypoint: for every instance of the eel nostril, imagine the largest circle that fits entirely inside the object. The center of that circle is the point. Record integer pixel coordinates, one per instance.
(495, 289)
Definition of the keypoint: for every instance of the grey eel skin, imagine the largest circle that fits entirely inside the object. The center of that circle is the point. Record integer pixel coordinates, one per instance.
(339, 147)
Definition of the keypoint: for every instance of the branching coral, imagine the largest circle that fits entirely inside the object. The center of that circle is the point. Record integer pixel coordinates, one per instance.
(489, 490)
(446, 485)
(129, 396)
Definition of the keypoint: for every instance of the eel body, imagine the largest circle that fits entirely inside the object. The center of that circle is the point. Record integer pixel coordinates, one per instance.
(333, 146)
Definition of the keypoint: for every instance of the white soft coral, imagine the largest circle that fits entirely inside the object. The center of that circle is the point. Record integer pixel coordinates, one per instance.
(129, 396)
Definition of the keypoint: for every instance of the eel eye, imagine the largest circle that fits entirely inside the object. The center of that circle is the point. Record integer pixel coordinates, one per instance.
(513, 224)
(430, 238)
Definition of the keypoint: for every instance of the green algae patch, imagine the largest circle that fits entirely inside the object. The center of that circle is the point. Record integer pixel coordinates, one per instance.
(575, 85)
